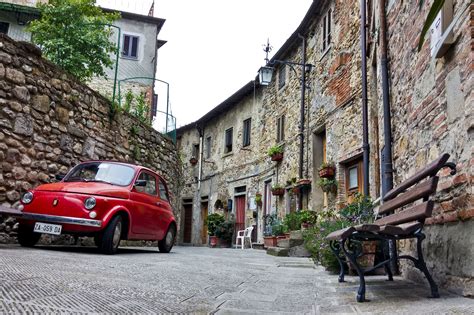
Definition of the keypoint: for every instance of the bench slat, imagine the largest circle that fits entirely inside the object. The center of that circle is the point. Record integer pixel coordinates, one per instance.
(403, 229)
(421, 190)
(430, 170)
(340, 234)
(413, 213)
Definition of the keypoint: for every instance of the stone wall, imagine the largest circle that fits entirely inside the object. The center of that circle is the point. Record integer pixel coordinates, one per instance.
(49, 122)
(432, 113)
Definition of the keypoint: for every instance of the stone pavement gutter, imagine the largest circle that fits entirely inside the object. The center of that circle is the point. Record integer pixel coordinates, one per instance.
(61, 279)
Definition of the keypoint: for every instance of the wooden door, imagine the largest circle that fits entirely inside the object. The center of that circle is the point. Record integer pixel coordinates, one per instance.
(188, 223)
(239, 213)
(204, 212)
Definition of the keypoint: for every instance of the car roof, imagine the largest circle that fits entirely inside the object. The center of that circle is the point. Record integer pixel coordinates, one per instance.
(135, 166)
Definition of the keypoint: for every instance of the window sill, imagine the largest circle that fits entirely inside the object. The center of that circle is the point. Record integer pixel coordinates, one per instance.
(129, 58)
(325, 52)
(227, 154)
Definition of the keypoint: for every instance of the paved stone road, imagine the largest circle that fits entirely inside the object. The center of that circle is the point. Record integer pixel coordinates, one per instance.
(194, 280)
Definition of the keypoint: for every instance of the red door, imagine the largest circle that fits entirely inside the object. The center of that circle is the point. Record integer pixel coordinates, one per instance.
(239, 213)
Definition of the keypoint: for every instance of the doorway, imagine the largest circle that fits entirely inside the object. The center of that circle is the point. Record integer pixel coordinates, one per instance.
(188, 223)
(204, 212)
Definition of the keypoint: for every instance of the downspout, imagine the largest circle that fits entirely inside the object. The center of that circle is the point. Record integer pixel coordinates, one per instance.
(387, 166)
(201, 155)
(365, 119)
(301, 127)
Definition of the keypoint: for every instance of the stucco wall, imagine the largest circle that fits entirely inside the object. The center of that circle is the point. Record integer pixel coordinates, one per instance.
(49, 122)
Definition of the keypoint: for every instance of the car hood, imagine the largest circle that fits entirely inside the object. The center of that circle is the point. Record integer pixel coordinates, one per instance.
(100, 189)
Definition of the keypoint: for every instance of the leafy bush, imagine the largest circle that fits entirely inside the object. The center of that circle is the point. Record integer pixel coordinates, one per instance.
(308, 216)
(275, 150)
(278, 228)
(318, 247)
(327, 184)
(213, 221)
(360, 210)
(225, 230)
(292, 221)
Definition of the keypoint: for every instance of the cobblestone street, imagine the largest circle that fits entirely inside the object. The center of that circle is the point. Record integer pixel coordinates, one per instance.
(193, 279)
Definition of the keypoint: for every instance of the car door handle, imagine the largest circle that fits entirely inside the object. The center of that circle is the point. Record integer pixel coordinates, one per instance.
(158, 203)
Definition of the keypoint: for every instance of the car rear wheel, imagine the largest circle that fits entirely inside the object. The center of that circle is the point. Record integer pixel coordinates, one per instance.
(26, 236)
(111, 237)
(167, 242)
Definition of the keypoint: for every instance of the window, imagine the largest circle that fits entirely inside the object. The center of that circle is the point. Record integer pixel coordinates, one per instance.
(195, 151)
(4, 26)
(281, 128)
(326, 30)
(208, 147)
(130, 46)
(150, 187)
(247, 130)
(228, 140)
(282, 76)
(163, 191)
(354, 179)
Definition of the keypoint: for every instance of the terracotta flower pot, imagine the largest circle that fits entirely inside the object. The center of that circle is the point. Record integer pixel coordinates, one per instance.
(277, 157)
(193, 161)
(269, 241)
(327, 172)
(213, 241)
(278, 191)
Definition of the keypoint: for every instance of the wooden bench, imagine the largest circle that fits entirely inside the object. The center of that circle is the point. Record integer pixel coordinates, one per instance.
(412, 198)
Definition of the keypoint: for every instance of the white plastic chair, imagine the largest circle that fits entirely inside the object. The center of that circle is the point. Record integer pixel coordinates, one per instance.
(242, 235)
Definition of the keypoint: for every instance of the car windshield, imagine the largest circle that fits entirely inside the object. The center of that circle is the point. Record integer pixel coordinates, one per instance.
(110, 173)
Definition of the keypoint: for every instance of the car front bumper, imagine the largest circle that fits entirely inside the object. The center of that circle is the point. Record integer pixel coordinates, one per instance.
(50, 218)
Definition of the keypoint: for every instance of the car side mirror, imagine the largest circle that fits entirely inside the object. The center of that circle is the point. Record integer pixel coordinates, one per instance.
(60, 177)
(140, 183)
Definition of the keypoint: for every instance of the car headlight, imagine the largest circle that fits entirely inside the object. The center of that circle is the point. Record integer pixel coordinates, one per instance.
(89, 203)
(27, 198)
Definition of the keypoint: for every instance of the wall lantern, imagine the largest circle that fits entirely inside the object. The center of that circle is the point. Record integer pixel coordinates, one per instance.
(265, 75)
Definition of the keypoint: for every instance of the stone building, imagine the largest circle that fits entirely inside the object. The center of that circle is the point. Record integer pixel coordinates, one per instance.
(138, 53)
(430, 99)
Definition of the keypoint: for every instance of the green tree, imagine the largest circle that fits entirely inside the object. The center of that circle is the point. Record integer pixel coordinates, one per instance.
(73, 35)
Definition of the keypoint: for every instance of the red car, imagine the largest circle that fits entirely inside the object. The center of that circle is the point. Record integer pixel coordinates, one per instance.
(110, 201)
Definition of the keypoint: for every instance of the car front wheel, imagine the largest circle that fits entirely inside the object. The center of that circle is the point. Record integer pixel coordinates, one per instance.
(111, 236)
(167, 242)
(26, 236)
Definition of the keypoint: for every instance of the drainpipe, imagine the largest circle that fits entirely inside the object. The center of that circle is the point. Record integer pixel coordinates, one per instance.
(387, 166)
(201, 153)
(365, 124)
(301, 127)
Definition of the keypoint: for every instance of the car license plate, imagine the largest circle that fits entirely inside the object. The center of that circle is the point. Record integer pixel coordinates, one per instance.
(47, 228)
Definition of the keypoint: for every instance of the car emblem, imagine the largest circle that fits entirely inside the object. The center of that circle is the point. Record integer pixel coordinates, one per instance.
(55, 202)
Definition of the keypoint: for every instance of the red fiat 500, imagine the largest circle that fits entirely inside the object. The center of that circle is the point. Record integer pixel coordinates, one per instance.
(110, 201)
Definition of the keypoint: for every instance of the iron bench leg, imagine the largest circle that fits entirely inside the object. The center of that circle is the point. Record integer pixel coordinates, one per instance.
(352, 251)
(386, 254)
(421, 265)
(336, 249)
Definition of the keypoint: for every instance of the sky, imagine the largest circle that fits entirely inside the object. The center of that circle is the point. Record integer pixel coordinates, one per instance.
(214, 47)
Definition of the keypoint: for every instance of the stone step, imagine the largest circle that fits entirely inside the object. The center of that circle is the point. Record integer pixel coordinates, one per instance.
(277, 251)
(258, 246)
(296, 235)
(296, 242)
(283, 243)
(298, 251)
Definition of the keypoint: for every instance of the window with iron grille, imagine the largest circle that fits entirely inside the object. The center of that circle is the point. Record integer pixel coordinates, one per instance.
(281, 128)
(196, 151)
(228, 140)
(282, 76)
(246, 133)
(130, 46)
(326, 30)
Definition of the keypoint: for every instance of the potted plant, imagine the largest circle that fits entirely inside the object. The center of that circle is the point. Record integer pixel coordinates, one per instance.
(193, 161)
(307, 218)
(327, 170)
(225, 232)
(276, 153)
(213, 221)
(278, 230)
(327, 185)
(292, 222)
(302, 185)
(360, 211)
(278, 190)
(258, 199)
(269, 240)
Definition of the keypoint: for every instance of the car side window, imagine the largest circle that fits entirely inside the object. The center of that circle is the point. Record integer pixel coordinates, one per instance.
(163, 192)
(150, 187)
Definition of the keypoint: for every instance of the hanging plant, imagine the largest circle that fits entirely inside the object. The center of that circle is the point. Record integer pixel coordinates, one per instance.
(276, 153)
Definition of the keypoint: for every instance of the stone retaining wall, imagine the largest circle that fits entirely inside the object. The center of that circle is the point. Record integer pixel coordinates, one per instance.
(49, 122)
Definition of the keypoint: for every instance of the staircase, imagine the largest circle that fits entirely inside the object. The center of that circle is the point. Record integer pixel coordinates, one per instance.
(292, 247)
